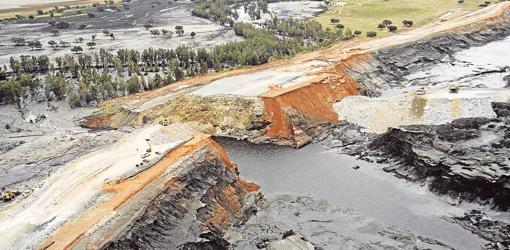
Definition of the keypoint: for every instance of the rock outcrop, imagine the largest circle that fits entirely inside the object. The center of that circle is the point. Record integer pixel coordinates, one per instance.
(468, 158)
(387, 67)
(496, 232)
(194, 210)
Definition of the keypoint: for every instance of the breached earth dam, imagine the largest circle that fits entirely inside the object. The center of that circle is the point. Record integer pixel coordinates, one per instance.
(374, 200)
(398, 142)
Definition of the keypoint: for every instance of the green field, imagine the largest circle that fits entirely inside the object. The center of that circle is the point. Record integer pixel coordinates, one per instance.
(365, 15)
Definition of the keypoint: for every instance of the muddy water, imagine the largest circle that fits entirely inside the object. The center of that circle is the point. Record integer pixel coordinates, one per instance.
(324, 174)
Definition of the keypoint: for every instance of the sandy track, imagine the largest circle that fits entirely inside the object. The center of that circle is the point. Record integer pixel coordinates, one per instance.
(80, 184)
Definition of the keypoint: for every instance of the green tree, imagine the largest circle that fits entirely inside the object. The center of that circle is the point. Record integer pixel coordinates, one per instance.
(15, 65)
(18, 41)
(334, 20)
(56, 85)
(3, 75)
(10, 91)
(179, 30)
(52, 43)
(91, 44)
(407, 23)
(158, 80)
(155, 32)
(133, 85)
(77, 49)
(34, 44)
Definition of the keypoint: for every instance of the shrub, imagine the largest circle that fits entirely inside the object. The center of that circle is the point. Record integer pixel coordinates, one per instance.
(407, 23)
(10, 91)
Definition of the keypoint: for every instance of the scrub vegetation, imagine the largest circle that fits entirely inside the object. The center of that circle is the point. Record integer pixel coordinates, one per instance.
(366, 15)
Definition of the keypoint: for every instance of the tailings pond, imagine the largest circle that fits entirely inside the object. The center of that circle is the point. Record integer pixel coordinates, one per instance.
(320, 173)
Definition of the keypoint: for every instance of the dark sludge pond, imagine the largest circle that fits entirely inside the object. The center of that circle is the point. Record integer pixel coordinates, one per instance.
(325, 174)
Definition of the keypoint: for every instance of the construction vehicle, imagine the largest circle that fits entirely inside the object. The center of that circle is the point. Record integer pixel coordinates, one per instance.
(454, 88)
(9, 195)
(421, 91)
(150, 147)
(164, 122)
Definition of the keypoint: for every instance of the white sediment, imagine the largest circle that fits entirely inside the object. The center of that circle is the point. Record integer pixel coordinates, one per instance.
(436, 107)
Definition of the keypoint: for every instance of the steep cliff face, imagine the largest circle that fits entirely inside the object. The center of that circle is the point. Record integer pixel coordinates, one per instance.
(188, 199)
(195, 209)
(296, 115)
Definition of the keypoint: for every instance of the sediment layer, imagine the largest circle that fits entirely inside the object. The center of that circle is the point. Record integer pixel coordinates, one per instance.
(192, 190)
(467, 158)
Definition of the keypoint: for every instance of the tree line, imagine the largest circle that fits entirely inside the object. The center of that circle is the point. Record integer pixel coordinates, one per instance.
(91, 77)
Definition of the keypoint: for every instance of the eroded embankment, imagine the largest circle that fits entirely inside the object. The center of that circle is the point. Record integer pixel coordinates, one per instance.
(387, 67)
(296, 115)
(296, 111)
(287, 116)
(192, 193)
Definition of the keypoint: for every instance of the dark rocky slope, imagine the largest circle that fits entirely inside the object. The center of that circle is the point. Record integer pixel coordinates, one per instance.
(388, 67)
(469, 158)
(494, 231)
(194, 211)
